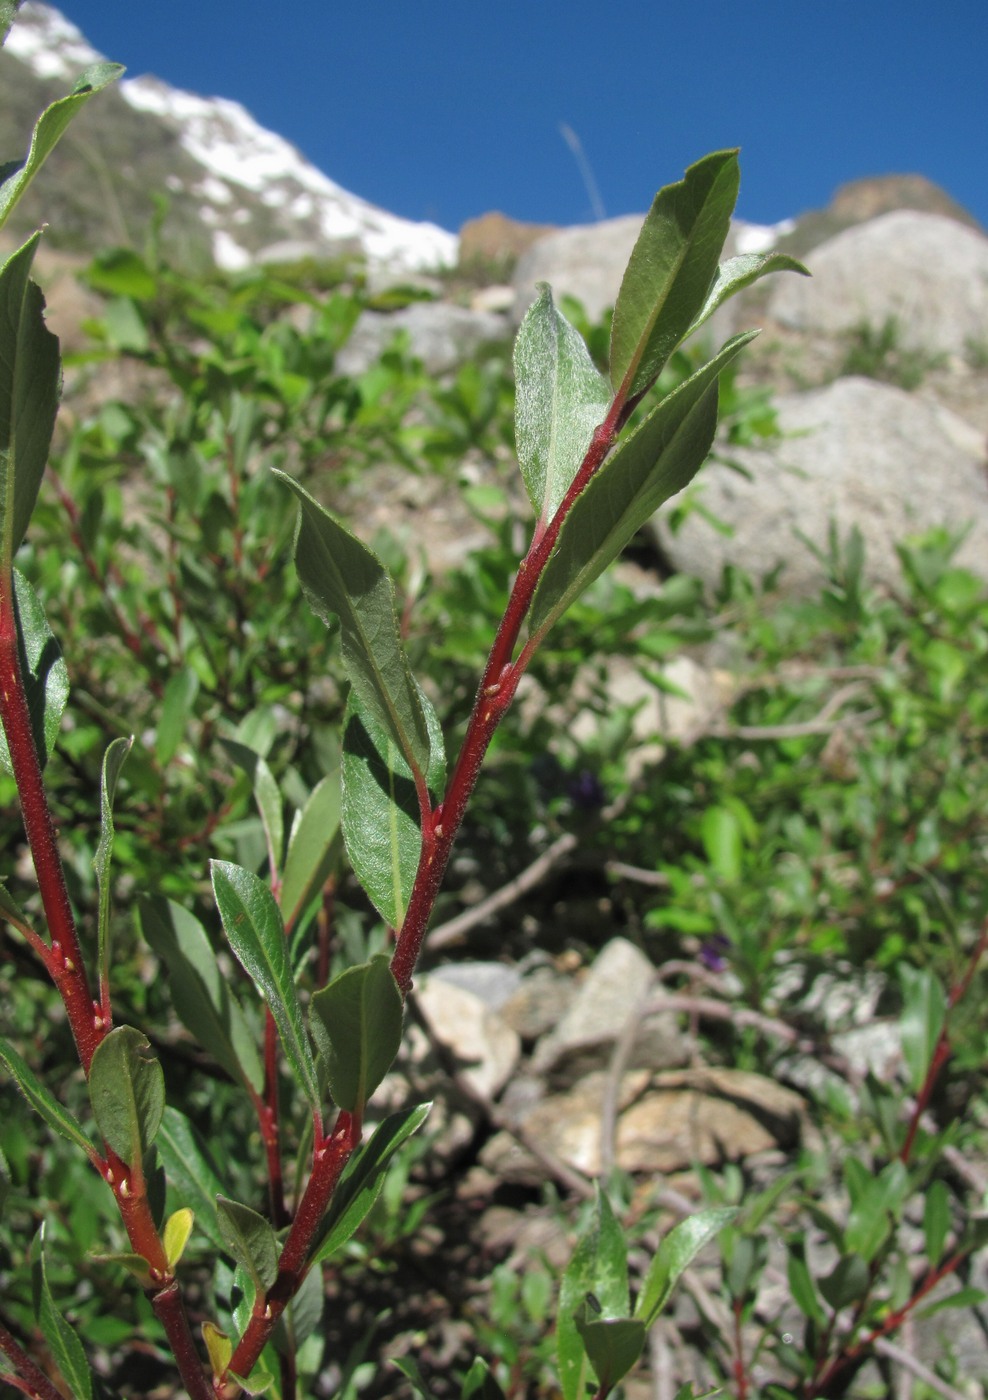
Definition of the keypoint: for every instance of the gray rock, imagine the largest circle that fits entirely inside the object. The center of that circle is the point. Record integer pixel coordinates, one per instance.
(586, 262)
(495, 983)
(927, 271)
(665, 1123)
(540, 1002)
(857, 452)
(487, 1049)
(584, 1038)
(442, 336)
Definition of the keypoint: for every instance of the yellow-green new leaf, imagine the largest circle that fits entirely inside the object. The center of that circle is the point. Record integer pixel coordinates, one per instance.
(175, 1236)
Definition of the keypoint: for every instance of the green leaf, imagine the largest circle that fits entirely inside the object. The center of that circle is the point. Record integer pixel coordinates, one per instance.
(191, 1175)
(135, 1264)
(739, 272)
(671, 270)
(30, 379)
(846, 1283)
(46, 680)
(362, 1179)
(176, 707)
(599, 1267)
(676, 1252)
(120, 272)
(253, 925)
(266, 795)
(251, 1241)
(49, 127)
(314, 849)
(963, 1298)
(40, 1098)
(657, 460)
(875, 1209)
(923, 1014)
(258, 1382)
(201, 994)
(560, 398)
(127, 1091)
(936, 1221)
(356, 1022)
(113, 760)
(720, 832)
(175, 1235)
(381, 809)
(409, 1368)
(8, 8)
(4, 1182)
(341, 577)
(480, 1384)
(612, 1344)
(65, 1345)
(801, 1284)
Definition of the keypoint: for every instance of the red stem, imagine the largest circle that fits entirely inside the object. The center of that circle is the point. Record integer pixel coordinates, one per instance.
(63, 959)
(495, 693)
(29, 1379)
(329, 1159)
(170, 1312)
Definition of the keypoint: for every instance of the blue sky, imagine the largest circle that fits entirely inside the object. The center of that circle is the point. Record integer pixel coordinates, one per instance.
(440, 111)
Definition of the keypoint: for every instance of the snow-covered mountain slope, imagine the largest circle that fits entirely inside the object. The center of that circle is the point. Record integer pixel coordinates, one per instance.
(237, 164)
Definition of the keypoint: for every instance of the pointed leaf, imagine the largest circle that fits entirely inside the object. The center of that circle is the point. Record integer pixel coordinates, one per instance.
(202, 995)
(923, 1015)
(676, 1252)
(742, 271)
(671, 269)
(191, 1175)
(381, 823)
(65, 1345)
(266, 795)
(340, 576)
(30, 379)
(127, 1091)
(40, 1098)
(936, 1221)
(176, 708)
(409, 1368)
(258, 1382)
(314, 849)
(561, 397)
(801, 1285)
(846, 1283)
(356, 1023)
(49, 127)
(135, 1264)
(613, 1345)
(175, 1236)
(480, 1384)
(46, 680)
(657, 460)
(362, 1180)
(253, 925)
(113, 761)
(219, 1349)
(598, 1266)
(251, 1241)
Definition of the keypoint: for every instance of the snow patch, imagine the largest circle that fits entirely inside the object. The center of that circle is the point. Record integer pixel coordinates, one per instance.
(49, 45)
(760, 238)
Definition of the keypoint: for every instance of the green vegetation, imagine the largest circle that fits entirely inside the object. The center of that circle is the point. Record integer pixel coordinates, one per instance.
(810, 857)
(879, 353)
